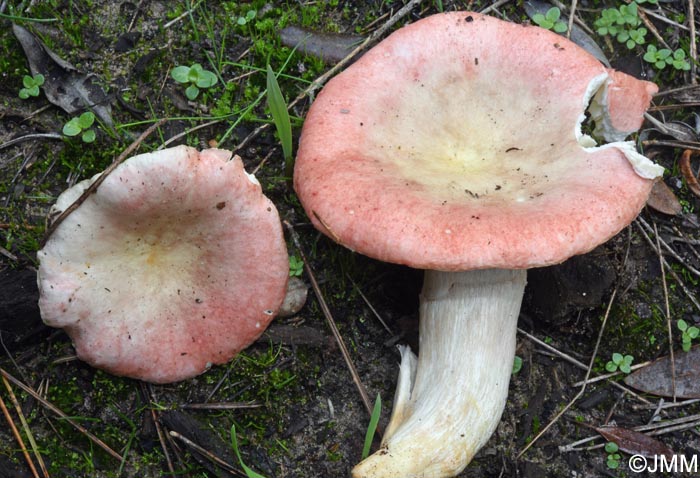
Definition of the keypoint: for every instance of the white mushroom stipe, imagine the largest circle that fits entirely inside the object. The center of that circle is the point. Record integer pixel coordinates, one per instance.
(454, 403)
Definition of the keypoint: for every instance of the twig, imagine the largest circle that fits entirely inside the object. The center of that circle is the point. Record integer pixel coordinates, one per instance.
(25, 426)
(494, 6)
(580, 365)
(611, 375)
(182, 15)
(658, 428)
(93, 187)
(583, 387)
(668, 267)
(161, 439)
(30, 137)
(8, 254)
(572, 13)
(667, 405)
(321, 80)
(667, 311)
(693, 43)
(147, 392)
(371, 307)
(188, 131)
(220, 405)
(642, 14)
(694, 145)
(206, 453)
(329, 319)
(18, 437)
(60, 413)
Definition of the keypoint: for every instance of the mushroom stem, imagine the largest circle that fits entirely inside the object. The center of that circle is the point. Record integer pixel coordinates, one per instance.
(448, 404)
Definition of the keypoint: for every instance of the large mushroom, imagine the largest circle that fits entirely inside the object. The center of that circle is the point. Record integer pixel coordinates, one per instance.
(455, 146)
(175, 263)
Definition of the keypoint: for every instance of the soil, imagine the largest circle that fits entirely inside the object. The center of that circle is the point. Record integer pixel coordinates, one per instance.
(291, 397)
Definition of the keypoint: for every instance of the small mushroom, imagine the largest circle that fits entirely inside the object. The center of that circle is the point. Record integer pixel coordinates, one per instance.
(455, 146)
(175, 263)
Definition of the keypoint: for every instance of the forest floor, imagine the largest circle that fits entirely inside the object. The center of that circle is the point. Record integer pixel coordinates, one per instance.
(291, 397)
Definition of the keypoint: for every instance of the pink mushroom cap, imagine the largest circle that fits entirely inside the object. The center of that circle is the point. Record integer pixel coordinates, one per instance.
(456, 144)
(177, 262)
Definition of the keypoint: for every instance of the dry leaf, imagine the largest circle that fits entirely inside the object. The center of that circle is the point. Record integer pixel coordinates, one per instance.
(656, 378)
(663, 200)
(64, 86)
(635, 443)
(674, 129)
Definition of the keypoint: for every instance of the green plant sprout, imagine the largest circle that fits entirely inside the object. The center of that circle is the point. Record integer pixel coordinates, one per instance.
(280, 116)
(81, 124)
(550, 20)
(244, 20)
(613, 459)
(517, 365)
(661, 58)
(623, 363)
(296, 266)
(249, 472)
(31, 85)
(195, 76)
(372, 427)
(689, 333)
(623, 23)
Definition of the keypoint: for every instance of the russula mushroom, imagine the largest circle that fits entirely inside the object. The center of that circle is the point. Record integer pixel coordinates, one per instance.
(455, 146)
(175, 263)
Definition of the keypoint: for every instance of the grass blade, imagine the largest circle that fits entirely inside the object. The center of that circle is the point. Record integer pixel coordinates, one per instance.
(234, 444)
(280, 116)
(373, 422)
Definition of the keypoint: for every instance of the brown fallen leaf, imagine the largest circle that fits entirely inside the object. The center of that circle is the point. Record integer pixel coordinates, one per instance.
(635, 443)
(690, 178)
(662, 199)
(656, 378)
(65, 86)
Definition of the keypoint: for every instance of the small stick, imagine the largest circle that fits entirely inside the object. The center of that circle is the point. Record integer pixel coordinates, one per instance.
(668, 404)
(580, 365)
(93, 187)
(695, 146)
(667, 311)
(220, 405)
(18, 437)
(30, 137)
(60, 413)
(613, 374)
(583, 388)
(693, 42)
(572, 12)
(668, 248)
(668, 266)
(26, 428)
(147, 391)
(330, 321)
(206, 453)
(659, 428)
(371, 307)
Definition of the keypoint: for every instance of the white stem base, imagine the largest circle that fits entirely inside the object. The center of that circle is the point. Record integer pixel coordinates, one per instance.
(448, 404)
